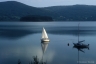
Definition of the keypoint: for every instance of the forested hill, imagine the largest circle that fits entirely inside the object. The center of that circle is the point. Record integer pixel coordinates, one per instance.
(74, 13)
(12, 10)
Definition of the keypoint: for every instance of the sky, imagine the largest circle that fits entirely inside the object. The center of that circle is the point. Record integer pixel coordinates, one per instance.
(47, 3)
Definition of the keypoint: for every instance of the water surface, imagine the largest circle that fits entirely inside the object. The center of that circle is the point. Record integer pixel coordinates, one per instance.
(21, 40)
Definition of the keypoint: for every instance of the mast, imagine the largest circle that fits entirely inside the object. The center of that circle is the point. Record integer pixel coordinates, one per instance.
(78, 56)
(78, 42)
(78, 32)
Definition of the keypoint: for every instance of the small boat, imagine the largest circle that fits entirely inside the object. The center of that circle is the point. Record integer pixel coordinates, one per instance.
(80, 44)
(44, 36)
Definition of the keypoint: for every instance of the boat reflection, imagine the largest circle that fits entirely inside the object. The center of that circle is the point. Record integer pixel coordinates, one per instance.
(80, 49)
(36, 59)
(44, 46)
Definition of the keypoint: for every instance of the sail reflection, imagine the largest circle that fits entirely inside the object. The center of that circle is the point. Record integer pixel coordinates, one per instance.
(44, 46)
(37, 60)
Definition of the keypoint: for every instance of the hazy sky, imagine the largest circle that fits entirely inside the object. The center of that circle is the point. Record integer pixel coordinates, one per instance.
(46, 3)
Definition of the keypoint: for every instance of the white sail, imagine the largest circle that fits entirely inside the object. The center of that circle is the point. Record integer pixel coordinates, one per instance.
(44, 33)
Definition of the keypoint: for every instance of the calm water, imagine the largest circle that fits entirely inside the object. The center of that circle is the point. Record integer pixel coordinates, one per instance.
(22, 41)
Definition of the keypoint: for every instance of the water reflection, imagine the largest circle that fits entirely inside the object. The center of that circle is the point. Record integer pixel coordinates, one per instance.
(25, 42)
(36, 59)
(21, 31)
(19, 62)
(44, 46)
(14, 33)
(82, 50)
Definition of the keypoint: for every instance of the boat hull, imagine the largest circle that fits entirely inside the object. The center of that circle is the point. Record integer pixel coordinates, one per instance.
(81, 45)
(45, 40)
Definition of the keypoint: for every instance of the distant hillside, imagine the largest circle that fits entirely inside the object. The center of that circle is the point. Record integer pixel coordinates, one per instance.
(13, 11)
(74, 13)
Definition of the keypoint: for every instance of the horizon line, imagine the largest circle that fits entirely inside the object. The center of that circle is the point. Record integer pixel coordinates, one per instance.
(47, 6)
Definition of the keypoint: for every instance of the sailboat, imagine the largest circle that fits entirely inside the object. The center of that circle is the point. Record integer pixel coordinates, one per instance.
(44, 36)
(80, 44)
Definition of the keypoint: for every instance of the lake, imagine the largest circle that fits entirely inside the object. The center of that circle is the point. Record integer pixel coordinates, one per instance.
(22, 41)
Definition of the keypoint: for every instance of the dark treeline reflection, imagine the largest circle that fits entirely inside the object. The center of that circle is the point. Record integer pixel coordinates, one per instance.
(34, 61)
(17, 33)
(14, 33)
